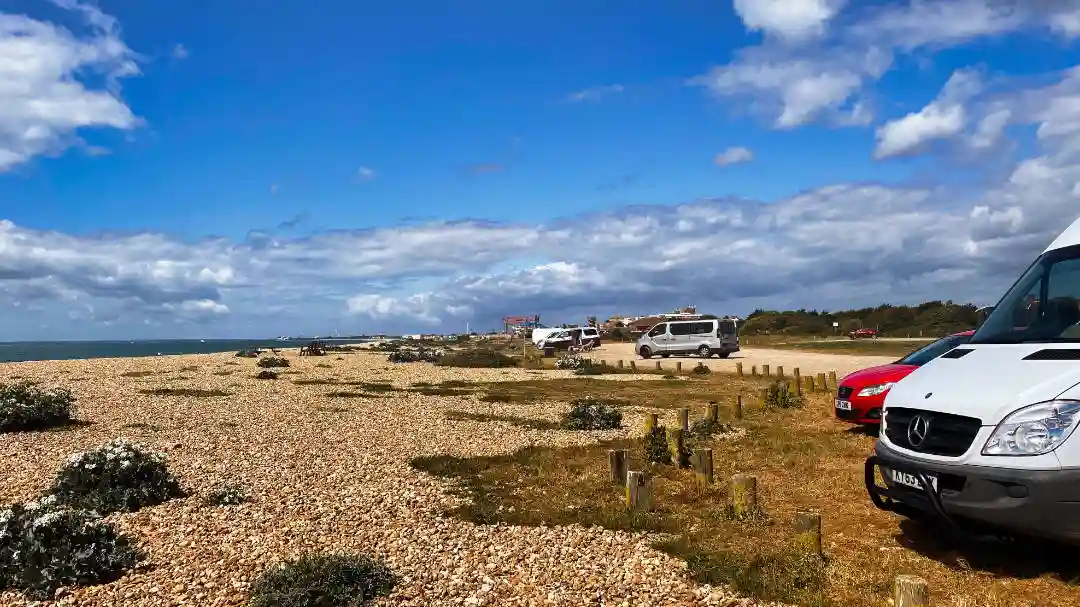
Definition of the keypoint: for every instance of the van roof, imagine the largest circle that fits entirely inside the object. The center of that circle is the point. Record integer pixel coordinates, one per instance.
(1068, 238)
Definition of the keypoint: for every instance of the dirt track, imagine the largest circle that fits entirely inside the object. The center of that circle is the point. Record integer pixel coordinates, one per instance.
(807, 362)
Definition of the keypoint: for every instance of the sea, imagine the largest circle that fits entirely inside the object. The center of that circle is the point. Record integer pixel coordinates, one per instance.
(20, 351)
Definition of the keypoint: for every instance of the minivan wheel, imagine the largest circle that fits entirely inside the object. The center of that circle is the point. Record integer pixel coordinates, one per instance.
(664, 355)
(645, 352)
(704, 352)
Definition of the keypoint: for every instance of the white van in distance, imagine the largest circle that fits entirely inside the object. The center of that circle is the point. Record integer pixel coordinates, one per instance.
(701, 337)
(980, 437)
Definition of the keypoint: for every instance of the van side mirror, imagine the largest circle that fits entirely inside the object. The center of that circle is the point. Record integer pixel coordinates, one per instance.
(982, 314)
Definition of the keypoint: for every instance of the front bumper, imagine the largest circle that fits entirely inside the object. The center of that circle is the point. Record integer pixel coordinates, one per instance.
(973, 499)
(864, 409)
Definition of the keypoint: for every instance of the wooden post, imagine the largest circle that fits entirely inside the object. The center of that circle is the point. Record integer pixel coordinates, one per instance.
(633, 366)
(743, 495)
(712, 412)
(765, 370)
(677, 447)
(658, 367)
(753, 370)
(703, 466)
(809, 381)
(603, 363)
(780, 372)
(821, 382)
(678, 366)
(798, 382)
(684, 419)
(738, 407)
(832, 380)
(619, 364)
(808, 533)
(652, 420)
(738, 369)
(911, 591)
(617, 460)
(637, 491)
(763, 397)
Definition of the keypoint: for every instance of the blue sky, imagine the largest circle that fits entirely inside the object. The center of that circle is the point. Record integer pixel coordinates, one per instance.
(200, 169)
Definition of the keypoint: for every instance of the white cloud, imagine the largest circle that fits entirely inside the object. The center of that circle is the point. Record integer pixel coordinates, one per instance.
(44, 95)
(789, 19)
(595, 93)
(180, 51)
(942, 118)
(365, 174)
(733, 155)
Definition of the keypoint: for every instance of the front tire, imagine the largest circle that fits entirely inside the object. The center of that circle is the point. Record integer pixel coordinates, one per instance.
(704, 351)
(645, 352)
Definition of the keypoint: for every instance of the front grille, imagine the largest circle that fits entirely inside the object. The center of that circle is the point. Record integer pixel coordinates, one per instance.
(947, 434)
(844, 392)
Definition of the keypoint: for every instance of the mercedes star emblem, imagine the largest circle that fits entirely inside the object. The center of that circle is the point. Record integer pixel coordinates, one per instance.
(917, 430)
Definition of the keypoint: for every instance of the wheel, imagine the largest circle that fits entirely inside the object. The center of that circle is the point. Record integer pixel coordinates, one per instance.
(704, 352)
(645, 352)
(664, 355)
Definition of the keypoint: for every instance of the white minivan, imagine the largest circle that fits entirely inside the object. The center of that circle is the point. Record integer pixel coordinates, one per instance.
(980, 437)
(703, 337)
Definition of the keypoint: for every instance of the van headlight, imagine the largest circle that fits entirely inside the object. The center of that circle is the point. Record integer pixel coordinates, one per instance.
(876, 389)
(1035, 429)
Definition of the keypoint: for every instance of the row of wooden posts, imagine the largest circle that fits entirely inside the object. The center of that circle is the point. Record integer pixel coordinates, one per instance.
(909, 591)
(807, 384)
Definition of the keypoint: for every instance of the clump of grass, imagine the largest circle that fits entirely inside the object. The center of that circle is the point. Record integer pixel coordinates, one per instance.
(24, 407)
(142, 426)
(440, 391)
(701, 370)
(477, 359)
(314, 382)
(780, 396)
(315, 580)
(325, 366)
(351, 394)
(247, 354)
(655, 446)
(271, 362)
(593, 368)
(669, 376)
(497, 397)
(223, 373)
(227, 494)
(455, 383)
(705, 428)
(190, 392)
(524, 422)
(136, 373)
(592, 414)
(231, 362)
(266, 374)
(189, 368)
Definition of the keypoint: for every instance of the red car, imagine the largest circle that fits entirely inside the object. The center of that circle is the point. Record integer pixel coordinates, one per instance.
(863, 333)
(862, 394)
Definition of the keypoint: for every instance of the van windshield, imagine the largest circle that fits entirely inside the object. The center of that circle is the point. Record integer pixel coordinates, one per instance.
(929, 352)
(1042, 307)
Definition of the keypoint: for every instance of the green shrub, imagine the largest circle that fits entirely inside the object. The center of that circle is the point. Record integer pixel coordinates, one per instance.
(227, 494)
(25, 406)
(701, 370)
(273, 361)
(335, 580)
(44, 546)
(266, 374)
(476, 359)
(704, 428)
(779, 395)
(656, 447)
(248, 354)
(118, 476)
(592, 414)
(592, 368)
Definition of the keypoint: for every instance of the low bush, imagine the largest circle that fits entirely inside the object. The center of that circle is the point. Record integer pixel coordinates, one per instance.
(334, 580)
(704, 428)
(592, 414)
(476, 359)
(414, 356)
(118, 476)
(227, 494)
(248, 354)
(701, 370)
(656, 447)
(570, 362)
(271, 362)
(45, 546)
(779, 395)
(266, 374)
(593, 368)
(25, 406)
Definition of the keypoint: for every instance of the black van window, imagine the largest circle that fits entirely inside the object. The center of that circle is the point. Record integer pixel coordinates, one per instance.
(658, 330)
(680, 328)
(701, 328)
(727, 327)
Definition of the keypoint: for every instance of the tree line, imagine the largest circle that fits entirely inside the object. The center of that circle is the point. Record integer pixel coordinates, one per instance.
(929, 319)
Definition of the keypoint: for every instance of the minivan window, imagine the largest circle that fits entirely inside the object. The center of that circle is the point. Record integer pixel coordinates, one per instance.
(680, 328)
(701, 328)
(658, 330)
(1043, 306)
(727, 327)
(929, 352)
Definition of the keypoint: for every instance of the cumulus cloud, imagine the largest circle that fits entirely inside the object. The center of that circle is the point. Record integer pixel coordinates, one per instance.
(46, 76)
(733, 155)
(179, 51)
(942, 118)
(790, 19)
(595, 93)
(365, 174)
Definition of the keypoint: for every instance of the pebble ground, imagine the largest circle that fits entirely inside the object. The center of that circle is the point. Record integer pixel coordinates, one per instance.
(325, 479)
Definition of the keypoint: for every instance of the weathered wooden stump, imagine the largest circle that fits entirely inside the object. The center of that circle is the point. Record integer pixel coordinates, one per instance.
(809, 381)
(618, 459)
(832, 380)
(808, 533)
(619, 364)
(652, 420)
(603, 363)
(712, 412)
(738, 407)
(763, 397)
(780, 371)
(658, 367)
(638, 491)
(911, 591)
(738, 369)
(821, 382)
(743, 495)
(765, 370)
(798, 381)
(703, 466)
(633, 366)
(684, 419)
(678, 366)
(753, 370)
(676, 440)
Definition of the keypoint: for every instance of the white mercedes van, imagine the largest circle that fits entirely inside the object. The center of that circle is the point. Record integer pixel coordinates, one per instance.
(980, 437)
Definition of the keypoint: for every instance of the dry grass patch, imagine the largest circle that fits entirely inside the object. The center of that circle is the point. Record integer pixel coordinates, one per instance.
(137, 373)
(316, 381)
(804, 460)
(535, 424)
(190, 392)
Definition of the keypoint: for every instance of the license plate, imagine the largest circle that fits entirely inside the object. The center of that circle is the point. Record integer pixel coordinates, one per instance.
(843, 404)
(910, 480)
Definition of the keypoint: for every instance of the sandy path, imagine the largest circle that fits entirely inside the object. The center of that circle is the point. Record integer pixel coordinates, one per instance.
(807, 362)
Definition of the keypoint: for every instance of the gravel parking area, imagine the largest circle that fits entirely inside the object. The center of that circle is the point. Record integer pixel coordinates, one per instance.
(326, 474)
(808, 362)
